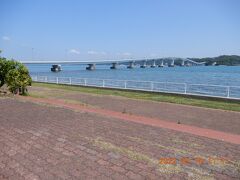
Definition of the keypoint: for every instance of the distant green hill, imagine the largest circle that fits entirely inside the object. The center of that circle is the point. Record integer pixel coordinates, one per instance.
(229, 60)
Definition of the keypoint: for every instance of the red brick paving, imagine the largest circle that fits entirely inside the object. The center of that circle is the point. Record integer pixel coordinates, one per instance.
(45, 142)
(232, 138)
(219, 120)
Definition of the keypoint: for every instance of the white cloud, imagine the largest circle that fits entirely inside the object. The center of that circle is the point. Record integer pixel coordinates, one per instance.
(6, 38)
(92, 52)
(126, 54)
(74, 51)
(96, 53)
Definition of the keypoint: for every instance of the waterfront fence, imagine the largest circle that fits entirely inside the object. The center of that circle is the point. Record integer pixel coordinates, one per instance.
(230, 92)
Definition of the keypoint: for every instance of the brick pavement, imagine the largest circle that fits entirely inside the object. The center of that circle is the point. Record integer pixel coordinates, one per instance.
(44, 142)
(205, 132)
(220, 120)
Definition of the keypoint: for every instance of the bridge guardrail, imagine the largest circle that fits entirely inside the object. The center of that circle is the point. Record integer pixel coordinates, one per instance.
(230, 92)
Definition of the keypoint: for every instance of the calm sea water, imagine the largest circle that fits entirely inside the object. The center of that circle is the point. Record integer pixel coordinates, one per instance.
(217, 75)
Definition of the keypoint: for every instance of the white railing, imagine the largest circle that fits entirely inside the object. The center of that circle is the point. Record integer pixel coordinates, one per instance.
(230, 92)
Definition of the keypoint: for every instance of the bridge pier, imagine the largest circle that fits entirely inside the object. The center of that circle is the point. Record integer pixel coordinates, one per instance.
(172, 64)
(161, 65)
(183, 63)
(153, 64)
(91, 67)
(131, 65)
(144, 64)
(114, 66)
(188, 64)
(56, 68)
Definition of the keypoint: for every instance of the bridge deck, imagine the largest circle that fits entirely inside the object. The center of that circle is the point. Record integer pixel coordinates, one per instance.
(110, 61)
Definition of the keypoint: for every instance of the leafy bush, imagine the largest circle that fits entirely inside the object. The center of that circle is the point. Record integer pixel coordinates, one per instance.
(15, 75)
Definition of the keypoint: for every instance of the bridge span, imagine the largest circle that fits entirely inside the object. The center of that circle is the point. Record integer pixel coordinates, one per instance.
(129, 63)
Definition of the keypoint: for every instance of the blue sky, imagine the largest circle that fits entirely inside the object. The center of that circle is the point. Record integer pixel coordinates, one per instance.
(116, 29)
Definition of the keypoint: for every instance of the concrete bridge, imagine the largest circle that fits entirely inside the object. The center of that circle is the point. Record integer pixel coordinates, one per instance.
(130, 63)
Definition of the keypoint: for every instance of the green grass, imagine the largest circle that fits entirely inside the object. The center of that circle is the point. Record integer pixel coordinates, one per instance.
(159, 97)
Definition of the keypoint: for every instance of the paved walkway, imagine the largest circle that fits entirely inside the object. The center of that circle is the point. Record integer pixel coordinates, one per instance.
(220, 120)
(43, 141)
(228, 137)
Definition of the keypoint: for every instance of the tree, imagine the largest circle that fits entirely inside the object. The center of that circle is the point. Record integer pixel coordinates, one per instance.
(5, 67)
(15, 75)
(18, 79)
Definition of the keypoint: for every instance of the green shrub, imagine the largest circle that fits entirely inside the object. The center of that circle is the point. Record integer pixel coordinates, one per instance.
(15, 75)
